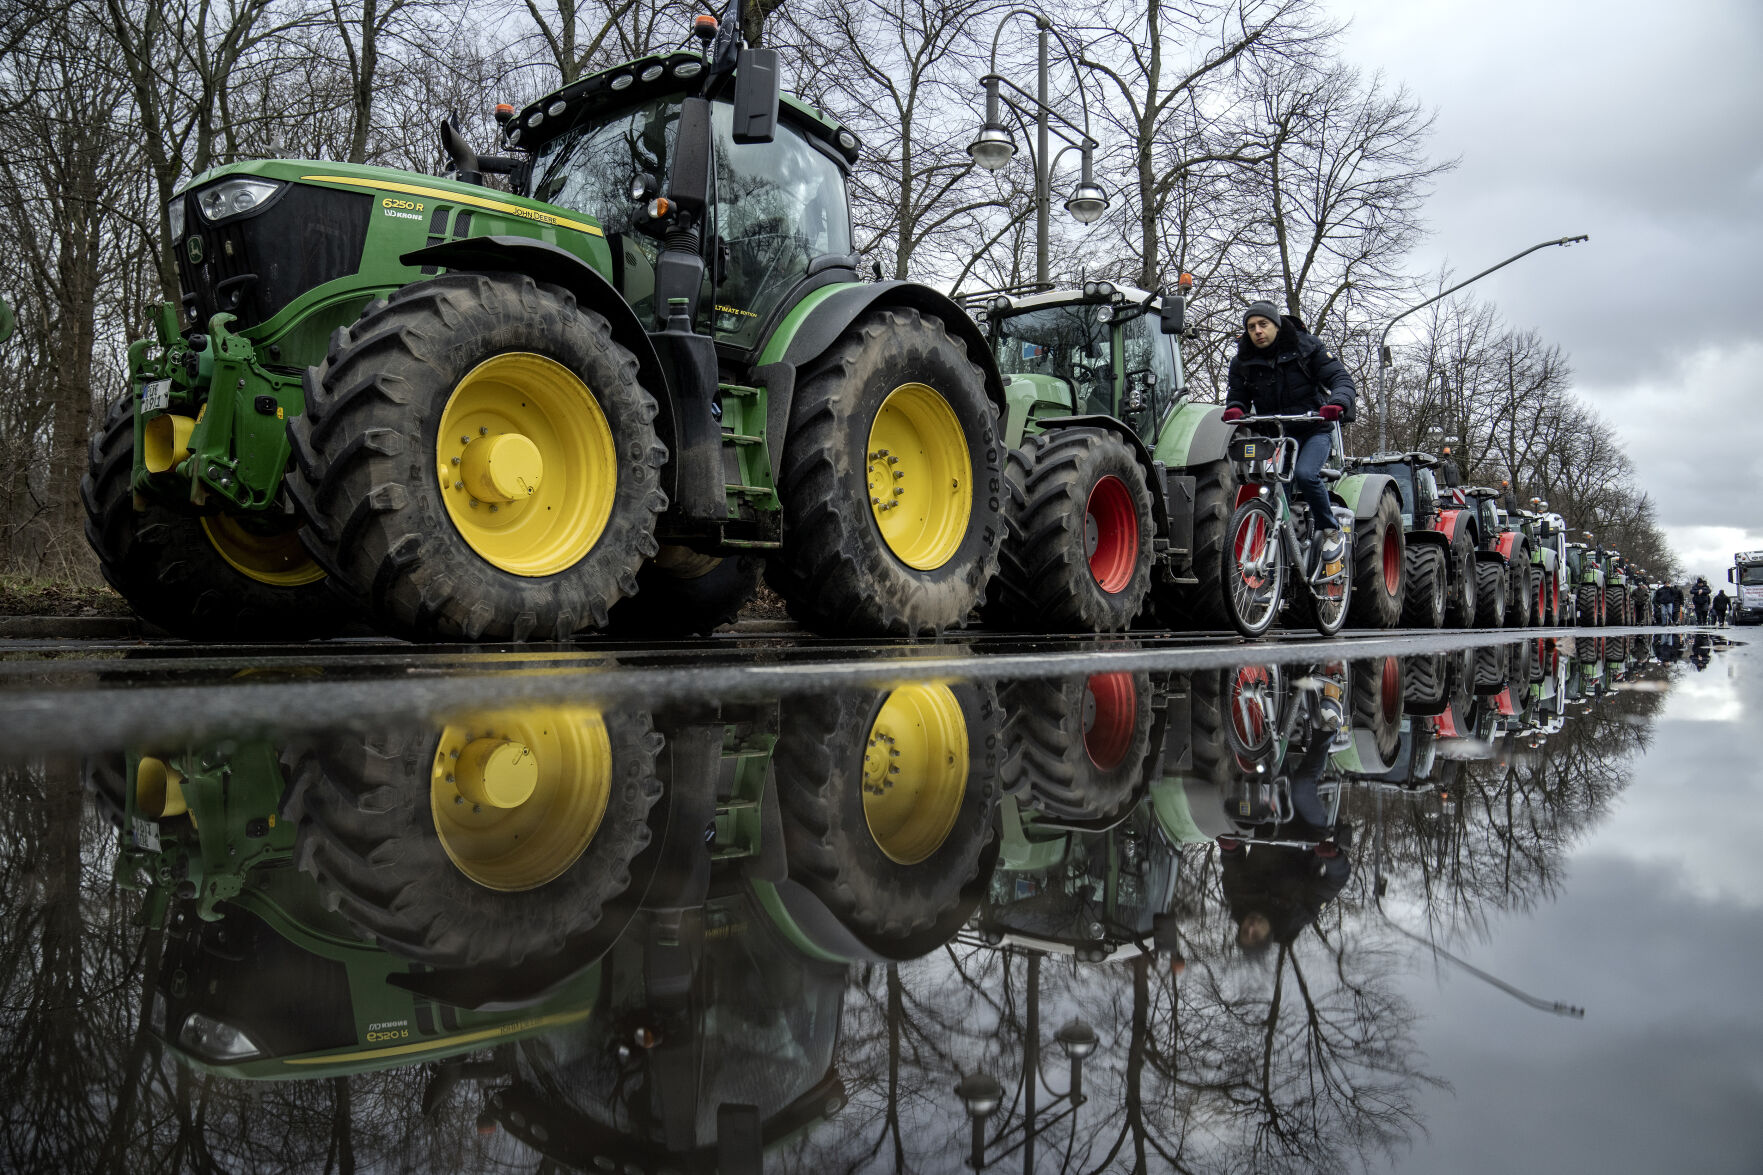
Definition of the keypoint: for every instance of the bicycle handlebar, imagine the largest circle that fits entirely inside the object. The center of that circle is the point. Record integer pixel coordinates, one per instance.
(1299, 418)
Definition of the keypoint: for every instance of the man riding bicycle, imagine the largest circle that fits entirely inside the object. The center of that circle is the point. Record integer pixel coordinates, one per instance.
(1282, 369)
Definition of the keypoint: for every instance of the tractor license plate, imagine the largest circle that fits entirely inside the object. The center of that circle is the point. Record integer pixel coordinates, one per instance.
(146, 834)
(156, 396)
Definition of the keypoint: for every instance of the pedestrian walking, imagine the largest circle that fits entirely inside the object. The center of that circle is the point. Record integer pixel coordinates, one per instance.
(1722, 602)
(1700, 597)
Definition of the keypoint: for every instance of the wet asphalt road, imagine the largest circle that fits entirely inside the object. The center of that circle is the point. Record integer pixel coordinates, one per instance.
(101, 695)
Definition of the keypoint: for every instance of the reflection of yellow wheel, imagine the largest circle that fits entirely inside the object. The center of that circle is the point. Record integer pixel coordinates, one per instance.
(517, 797)
(920, 476)
(276, 559)
(526, 462)
(915, 771)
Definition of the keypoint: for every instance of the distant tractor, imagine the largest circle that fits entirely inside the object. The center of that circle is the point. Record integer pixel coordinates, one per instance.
(1586, 568)
(1439, 584)
(1506, 573)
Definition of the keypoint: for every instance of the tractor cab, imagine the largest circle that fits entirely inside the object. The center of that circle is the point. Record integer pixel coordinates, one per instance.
(1104, 350)
(1415, 479)
(778, 218)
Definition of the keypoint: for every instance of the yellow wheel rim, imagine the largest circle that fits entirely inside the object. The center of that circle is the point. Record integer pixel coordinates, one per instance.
(517, 797)
(275, 559)
(915, 771)
(526, 463)
(920, 477)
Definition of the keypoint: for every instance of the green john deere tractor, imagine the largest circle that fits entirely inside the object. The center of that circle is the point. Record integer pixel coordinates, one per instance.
(1101, 426)
(606, 395)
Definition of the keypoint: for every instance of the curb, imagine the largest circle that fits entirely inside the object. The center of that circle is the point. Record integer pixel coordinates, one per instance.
(69, 627)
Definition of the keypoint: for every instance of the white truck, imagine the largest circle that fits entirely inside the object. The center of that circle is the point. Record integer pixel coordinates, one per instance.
(1746, 573)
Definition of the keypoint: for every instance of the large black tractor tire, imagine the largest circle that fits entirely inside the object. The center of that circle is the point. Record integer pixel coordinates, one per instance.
(1588, 606)
(889, 802)
(474, 358)
(1424, 587)
(439, 880)
(1519, 598)
(884, 543)
(1380, 567)
(171, 568)
(1201, 604)
(1077, 553)
(1378, 691)
(1425, 682)
(1490, 594)
(1616, 605)
(1080, 746)
(680, 593)
(1461, 580)
(1539, 613)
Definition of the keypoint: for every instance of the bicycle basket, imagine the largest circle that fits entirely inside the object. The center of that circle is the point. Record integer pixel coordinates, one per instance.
(1262, 460)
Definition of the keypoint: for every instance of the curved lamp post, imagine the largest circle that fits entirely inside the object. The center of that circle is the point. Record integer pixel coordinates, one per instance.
(994, 147)
(1383, 351)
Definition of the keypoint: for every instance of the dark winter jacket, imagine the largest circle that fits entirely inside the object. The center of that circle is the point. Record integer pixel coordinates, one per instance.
(1700, 595)
(1289, 886)
(1296, 374)
(1721, 602)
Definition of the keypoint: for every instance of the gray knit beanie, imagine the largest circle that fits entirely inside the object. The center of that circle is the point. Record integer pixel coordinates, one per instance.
(1261, 309)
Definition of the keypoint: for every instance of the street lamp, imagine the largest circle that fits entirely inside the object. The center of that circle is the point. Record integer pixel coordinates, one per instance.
(994, 147)
(1383, 350)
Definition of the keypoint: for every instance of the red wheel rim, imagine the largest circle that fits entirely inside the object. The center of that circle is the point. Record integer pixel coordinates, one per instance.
(1391, 696)
(1110, 714)
(1392, 559)
(1111, 532)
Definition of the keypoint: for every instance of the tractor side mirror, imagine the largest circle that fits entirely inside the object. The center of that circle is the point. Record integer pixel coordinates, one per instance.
(1175, 315)
(756, 93)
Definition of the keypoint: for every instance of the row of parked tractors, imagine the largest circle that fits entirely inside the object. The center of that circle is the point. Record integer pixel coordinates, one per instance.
(617, 389)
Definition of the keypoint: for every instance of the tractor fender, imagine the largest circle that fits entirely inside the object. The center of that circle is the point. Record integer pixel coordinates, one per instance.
(1153, 480)
(809, 330)
(1490, 557)
(1448, 522)
(1195, 434)
(545, 262)
(1369, 489)
(1428, 538)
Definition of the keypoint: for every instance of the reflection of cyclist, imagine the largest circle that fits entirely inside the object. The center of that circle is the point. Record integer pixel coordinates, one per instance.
(1274, 891)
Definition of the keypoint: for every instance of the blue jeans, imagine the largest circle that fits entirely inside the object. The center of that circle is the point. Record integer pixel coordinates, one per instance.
(1306, 484)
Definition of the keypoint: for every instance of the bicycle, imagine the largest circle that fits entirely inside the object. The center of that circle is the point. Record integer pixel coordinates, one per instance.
(1262, 540)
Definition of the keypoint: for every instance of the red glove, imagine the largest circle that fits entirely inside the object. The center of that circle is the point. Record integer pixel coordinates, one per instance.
(1232, 414)
(1329, 411)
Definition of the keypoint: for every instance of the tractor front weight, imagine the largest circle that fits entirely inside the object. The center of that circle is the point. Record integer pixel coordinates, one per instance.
(212, 417)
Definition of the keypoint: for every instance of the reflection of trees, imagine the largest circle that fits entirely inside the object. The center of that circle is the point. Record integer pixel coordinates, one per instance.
(1519, 809)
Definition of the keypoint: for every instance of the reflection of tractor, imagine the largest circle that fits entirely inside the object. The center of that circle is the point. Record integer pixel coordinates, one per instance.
(1096, 389)
(486, 415)
(258, 976)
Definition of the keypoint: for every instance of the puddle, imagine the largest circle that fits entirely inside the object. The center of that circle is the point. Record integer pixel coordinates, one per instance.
(1421, 911)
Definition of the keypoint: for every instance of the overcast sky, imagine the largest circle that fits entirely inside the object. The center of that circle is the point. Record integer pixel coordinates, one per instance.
(1642, 125)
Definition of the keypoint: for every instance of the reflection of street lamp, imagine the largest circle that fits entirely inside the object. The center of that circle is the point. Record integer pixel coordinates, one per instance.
(994, 147)
(982, 1096)
(1383, 351)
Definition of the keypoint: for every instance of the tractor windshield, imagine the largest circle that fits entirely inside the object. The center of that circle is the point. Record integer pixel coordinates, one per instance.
(591, 168)
(779, 205)
(1065, 343)
(1402, 474)
(1153, 374)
